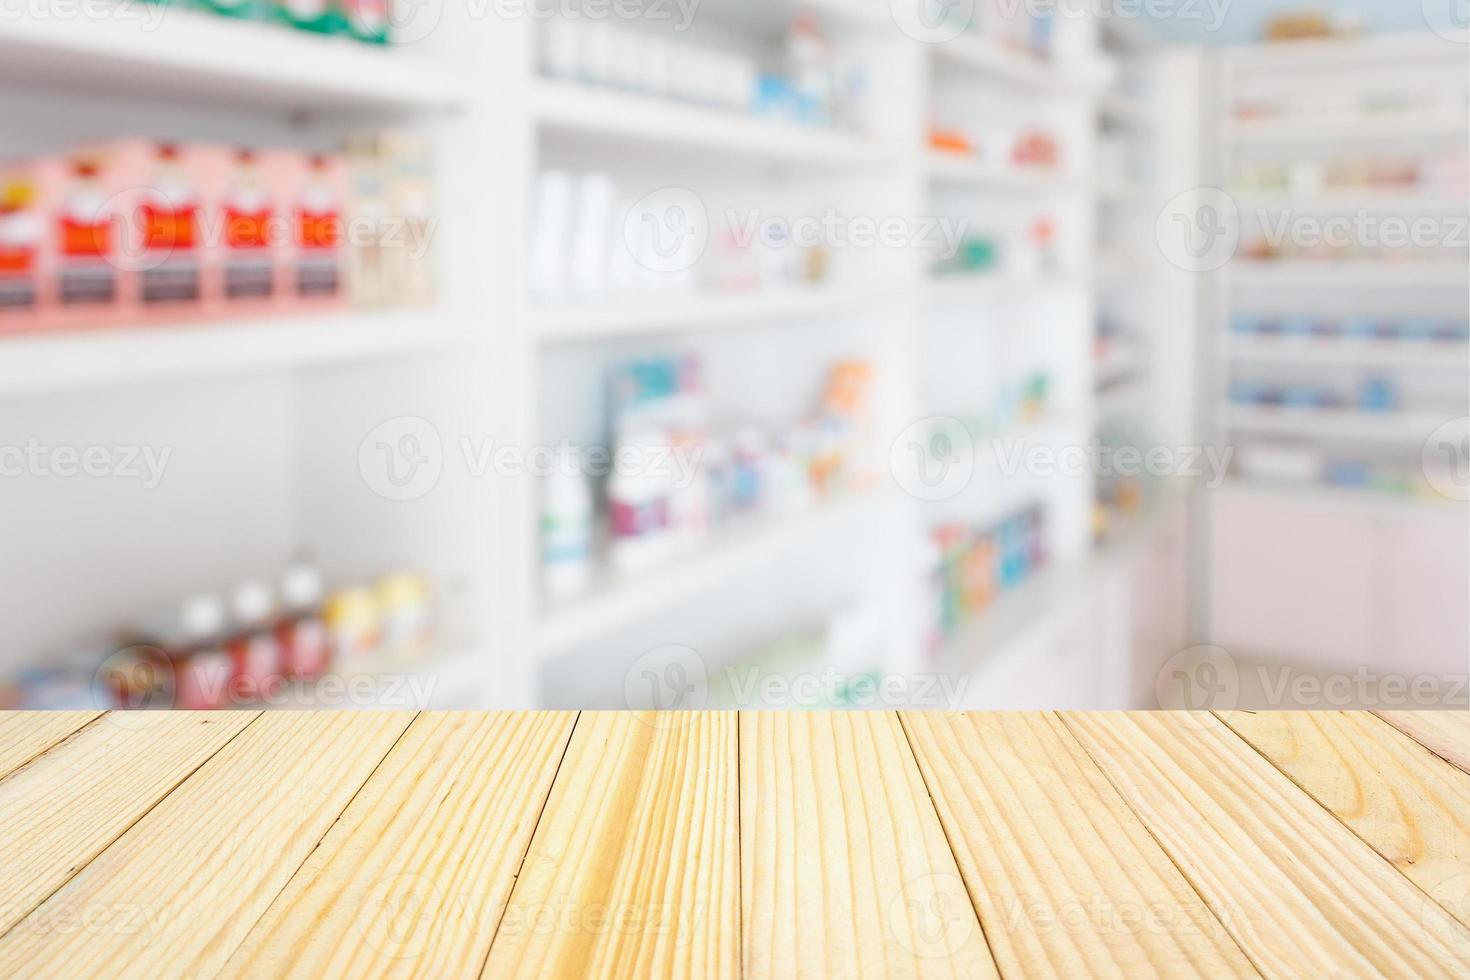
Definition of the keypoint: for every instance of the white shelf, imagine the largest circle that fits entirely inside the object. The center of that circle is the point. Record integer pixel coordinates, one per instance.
(1393, 201)
(1126, 111)
(1125, 193)
(1337, 423)
(1447, 355)
(1347, 53)
(959, 168)
(588, 321)
(1121, 361)
(185, 56)
(742, 548)
(1015, 615)
(1014, 67)
(1345, 500)
(1365, 273)
(39, 363)
(1386, 127)
(569, 107)
(983, 286)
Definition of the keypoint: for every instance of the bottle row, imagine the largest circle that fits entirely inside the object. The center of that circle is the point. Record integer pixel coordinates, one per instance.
(243, 650)
(592, 241)
(671, 477)
(369, 21)
(1354, 328)
(140, 231)
(811, 84)
(971, 567)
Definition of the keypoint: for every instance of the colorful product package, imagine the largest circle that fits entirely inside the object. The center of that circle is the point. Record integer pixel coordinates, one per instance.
(410, 196)
(317, 16)
(315, 256)
(252, 228)
(366, 20)
(22, 237)
(83, 248)
(368, 258)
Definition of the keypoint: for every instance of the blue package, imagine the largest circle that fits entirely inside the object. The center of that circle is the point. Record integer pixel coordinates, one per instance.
(1347, 473)
(1377, 395)
(1359, 328)
(1416, 328)
(1301, 396)
(1244, 393)
(1298, 326)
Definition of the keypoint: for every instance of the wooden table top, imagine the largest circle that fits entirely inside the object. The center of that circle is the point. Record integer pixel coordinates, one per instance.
(719, 844)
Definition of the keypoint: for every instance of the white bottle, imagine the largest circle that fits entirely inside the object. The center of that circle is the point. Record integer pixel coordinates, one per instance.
(594, 209)
(566, 534)
(548, 272)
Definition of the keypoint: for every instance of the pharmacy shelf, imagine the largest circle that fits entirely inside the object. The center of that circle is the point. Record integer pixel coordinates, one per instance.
(572, 108)
(958, 168)
(1449, 355)
(719, 311)
(1120, 361)
(741, 549)
(1014, 67)
(1336, 424)
(984, 286)
(1348, 54)
(1403, 127)
(174, 55)
(41, 363)
(1022, 613)
(1355, 273)
(1346, 500)
(1390, 201)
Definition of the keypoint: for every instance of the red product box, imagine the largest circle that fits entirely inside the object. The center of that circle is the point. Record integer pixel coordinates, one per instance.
(315, 273)
(129, 233)
(22, 247)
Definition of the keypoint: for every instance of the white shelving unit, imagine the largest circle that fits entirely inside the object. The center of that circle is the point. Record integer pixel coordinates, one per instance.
(262, 418)
(270, 416)
(1402, 99)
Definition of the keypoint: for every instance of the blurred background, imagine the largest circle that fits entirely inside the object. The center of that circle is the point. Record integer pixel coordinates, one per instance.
(734, 353)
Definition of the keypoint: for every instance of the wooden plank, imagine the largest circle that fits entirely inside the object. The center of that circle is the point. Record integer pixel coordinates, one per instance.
(1298, 891)
(412, 880)
(1066, 880)
(26, 734)
(633, 870)
(67, 806)
(1405, 802)
(845, 869)
(1445, 733)
(176, 894)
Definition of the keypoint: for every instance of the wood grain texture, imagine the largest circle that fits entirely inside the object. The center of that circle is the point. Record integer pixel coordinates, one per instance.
(1299, 892)
(1407, 803)
(26, 734)
(412, 880)
(845, 869)
(634, 868)
(1445, 733)
(175, 895)
(60, 811)
(1066, 880)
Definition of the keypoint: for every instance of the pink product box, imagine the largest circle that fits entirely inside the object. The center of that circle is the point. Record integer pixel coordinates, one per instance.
(22, 241)
(128, 236)
(315, 188)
